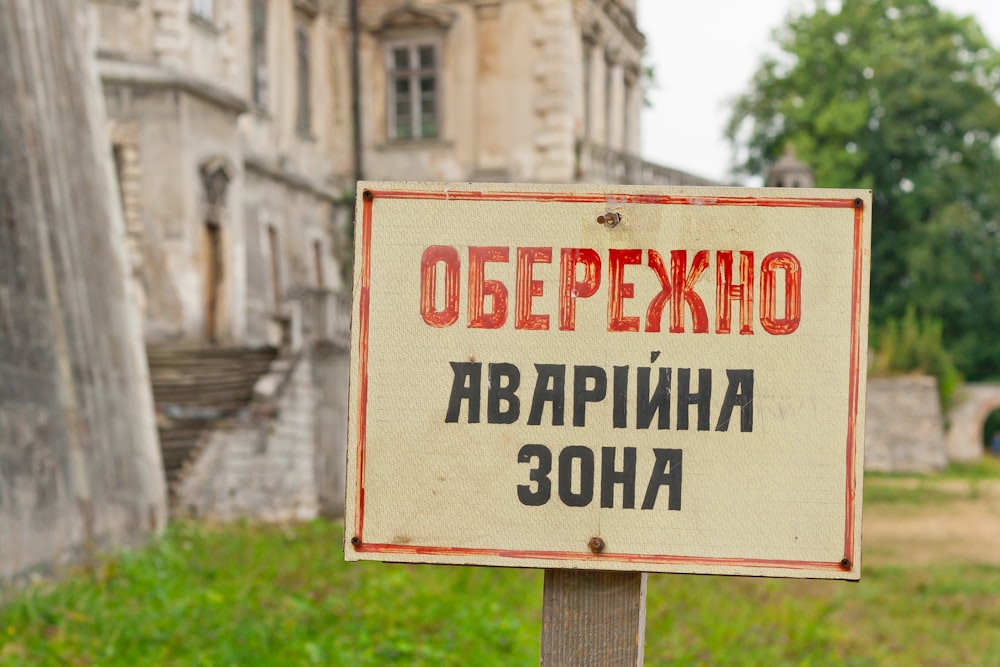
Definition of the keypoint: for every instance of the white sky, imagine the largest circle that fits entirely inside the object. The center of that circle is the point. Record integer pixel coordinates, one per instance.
(705, 53)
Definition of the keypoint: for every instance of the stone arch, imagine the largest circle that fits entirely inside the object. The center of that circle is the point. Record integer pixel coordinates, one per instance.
(990, 427)
(976, 401)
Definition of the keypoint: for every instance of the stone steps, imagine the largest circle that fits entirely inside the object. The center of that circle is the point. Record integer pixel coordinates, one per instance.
(196, 388)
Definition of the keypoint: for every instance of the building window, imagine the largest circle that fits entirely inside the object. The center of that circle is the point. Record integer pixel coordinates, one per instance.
(608, 92)
(274, 252)
(318, 260)
(304, 115)
(258, 52)
(203, 9)
(118, 156)
(588, 56)
(628, 98)
(414, 95)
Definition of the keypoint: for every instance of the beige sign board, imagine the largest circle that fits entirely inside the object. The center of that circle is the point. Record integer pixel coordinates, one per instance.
(609, 377)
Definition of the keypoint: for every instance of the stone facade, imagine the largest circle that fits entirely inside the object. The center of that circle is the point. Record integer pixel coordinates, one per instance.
(234, 130)
(221, 114)
(515, 91)
(80, 466)
(227, 121)
(238, 133)
(904, 428)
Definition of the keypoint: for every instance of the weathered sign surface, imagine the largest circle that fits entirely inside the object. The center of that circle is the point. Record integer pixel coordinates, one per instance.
(678, 387)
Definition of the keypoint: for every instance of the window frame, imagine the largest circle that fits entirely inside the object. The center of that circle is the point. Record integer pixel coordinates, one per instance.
(303, 74)
(259, 60)
(276, 264)
(413, 74)
(630, 92)
(589, 50)
(609, 87)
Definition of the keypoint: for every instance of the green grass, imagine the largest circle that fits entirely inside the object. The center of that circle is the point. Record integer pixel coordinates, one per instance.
(988, 467)
(959, 481)
(252, 595)
(915, 492)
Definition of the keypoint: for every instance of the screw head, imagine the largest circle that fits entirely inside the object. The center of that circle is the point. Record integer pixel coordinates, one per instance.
(610, 219)
(846, 564)
(596, 545)
(367, 195)
(355, 540)
(858, 203)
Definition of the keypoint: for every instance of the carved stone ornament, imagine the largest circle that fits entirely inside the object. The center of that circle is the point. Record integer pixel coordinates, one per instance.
(409, 17)
(216, 173)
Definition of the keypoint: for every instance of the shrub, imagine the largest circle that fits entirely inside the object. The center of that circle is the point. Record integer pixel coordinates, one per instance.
(913, 344)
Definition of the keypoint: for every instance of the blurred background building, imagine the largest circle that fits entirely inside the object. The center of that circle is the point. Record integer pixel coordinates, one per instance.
(507, 91)
(238, 130)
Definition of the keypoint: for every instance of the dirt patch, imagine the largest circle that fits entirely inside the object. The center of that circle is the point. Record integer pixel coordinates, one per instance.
(961, 525)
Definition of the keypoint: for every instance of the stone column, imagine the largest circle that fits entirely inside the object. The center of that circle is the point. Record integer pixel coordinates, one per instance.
(492, 107)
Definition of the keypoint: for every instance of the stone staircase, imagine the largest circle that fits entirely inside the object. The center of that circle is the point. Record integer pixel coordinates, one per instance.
(197, 388)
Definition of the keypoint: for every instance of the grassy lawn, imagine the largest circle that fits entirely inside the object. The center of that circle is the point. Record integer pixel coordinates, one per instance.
(253, 595)
(956, 482)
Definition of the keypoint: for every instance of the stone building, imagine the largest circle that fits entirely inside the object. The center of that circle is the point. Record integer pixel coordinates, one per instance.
(239, 128)
(503, 90)
(220, 115)
(235, 125)
(236, 188)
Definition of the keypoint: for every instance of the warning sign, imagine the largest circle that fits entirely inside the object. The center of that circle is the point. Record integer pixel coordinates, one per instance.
(609, 377)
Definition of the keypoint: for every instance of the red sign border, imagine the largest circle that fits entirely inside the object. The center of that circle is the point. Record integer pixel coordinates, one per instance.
(361, 330)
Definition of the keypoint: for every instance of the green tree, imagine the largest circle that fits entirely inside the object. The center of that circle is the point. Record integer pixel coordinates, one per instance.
(900, 97)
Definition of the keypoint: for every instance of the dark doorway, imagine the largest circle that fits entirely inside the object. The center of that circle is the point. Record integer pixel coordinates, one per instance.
(213, 280)
(318, 259)
(275, 250)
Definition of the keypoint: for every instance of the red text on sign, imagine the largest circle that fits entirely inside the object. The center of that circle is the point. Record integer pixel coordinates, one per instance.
(740, 285)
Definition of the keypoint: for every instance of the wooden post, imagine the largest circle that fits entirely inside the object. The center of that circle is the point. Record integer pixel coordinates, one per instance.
(593, 618)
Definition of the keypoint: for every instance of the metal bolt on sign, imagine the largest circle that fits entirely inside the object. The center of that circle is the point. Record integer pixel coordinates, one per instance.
(611, 219)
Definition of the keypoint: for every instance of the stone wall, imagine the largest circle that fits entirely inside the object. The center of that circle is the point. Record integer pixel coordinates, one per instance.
(904, 429)
(261, 465)
(284, 456)
(79, 459)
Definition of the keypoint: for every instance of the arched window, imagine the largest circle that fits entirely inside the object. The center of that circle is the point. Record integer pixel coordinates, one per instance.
(991, 433)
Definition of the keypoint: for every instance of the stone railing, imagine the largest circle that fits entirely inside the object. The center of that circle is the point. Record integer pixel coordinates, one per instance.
(326, 316)
(598, 164)
(312, 315)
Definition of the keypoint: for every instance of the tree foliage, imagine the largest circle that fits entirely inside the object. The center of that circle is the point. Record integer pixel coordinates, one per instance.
(900, 97)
